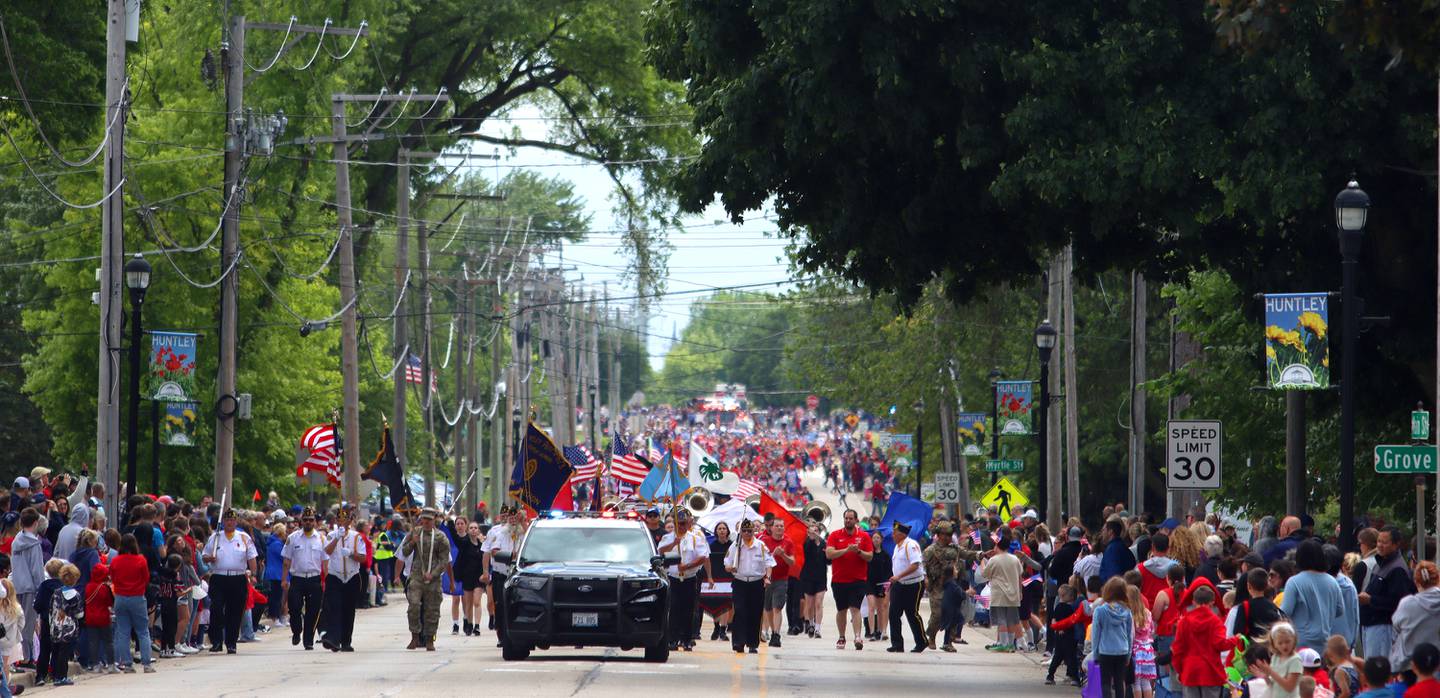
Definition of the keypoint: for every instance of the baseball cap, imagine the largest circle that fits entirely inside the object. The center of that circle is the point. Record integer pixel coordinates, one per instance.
(22, 483)
(1030, 514)
(1170, 524)
(38, 472)
(1254, 560)
(1309, 659)
(1076, 533)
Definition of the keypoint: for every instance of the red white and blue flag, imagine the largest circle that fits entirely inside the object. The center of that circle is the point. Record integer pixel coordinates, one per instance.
(415, 373)
(324, 456)
(626, 466)
(587, 466)
(746, 489)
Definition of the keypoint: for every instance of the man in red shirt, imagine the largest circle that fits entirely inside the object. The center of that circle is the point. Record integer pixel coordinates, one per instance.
(849, 551)
(779, 590)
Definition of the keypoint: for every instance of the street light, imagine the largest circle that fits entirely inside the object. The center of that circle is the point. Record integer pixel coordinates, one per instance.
(137, 279)
(995, 376)
(1352, 208)
(1045, 343)
(919, 407)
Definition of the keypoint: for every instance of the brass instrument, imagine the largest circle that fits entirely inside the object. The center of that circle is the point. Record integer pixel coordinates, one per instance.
(698, 500)
(610, 503)
(753, 501)
(816, 511)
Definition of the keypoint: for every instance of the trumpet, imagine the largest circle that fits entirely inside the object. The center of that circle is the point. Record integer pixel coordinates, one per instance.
(816, 511)
(697, 500)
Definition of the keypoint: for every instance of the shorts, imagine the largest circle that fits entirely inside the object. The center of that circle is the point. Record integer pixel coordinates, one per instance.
(1001, 616)
(848, 594)
(877, 589)
(777, 594)
(812, 586)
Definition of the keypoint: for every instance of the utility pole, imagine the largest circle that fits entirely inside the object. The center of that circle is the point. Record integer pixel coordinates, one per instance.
(498, 417)
(1138, 316)
(349, 349)
(112, 251)
(398, 432)
(594, 390)
(1054, 479)
(1072, 390)
(236, 146)
(427, 367)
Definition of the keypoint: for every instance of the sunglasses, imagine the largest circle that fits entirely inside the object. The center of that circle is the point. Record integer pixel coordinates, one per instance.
(652, 516)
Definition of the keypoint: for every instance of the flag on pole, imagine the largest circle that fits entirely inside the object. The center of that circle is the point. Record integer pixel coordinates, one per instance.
(626, 466)
(386, 470)
(415, 373)
(587, 466)
(541, 472)
(795, 529)
(746, 489)
(664, 480)
(324, 456)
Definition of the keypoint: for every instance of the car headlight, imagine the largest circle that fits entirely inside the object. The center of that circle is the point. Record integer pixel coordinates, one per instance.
(531, 583)
(648, 598)
(645, 584)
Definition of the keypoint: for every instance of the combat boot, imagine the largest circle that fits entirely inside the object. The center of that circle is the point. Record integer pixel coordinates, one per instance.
(430, 643)
(414, 641)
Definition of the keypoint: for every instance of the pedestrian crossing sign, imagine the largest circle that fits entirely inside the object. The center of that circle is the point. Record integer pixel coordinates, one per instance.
(1004, 497)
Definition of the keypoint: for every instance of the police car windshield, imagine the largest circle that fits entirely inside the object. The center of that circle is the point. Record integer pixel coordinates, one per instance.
(579, 544)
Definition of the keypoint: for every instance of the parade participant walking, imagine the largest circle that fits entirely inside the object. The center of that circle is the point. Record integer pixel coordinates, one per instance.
(942, 561)
(752, 565)
(305, 565)
(429, 553)
(346, 551)
(906, 576)
(812, 579)
(694, 552)
(470, 566)
(876, 581)
(849, 551)
(778, 589)
(231, 554)
(1388, 582)
(504, 538)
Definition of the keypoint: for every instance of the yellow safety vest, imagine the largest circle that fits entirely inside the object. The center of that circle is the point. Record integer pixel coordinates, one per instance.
(384, 550)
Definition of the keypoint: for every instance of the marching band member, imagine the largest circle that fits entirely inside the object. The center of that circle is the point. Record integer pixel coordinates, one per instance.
(750, 561)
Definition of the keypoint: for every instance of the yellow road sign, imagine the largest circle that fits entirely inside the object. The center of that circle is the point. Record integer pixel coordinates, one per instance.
(1004, 498)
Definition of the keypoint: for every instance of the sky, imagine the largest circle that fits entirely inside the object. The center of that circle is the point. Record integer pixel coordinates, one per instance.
(709, 251)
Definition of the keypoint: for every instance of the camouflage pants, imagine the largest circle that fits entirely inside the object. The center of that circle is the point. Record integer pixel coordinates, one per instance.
(937, 607)
(424, 610)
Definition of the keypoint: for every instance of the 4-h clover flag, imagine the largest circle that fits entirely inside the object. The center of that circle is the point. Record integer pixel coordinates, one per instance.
(705, 472)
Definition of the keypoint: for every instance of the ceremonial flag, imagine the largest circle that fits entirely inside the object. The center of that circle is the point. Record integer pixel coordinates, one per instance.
(626, 466)
(664, 480)
(587, 466)
(915, 513)
(541, 472)
(324, 457)
(415, 373)
(795, 529)
(385, 469)
(564, 500)
(746, 489)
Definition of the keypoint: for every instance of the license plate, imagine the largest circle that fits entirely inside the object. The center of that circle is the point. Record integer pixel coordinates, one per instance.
(585, 620)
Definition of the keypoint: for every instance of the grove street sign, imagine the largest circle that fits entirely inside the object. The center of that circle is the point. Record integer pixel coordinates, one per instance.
(1419, 458)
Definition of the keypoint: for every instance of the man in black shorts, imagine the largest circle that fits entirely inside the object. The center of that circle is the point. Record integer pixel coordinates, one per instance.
(849, 550)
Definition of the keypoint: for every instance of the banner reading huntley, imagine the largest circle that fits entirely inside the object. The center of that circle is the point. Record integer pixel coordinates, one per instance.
(1014, 399)
(178, 429)
(1297, 346)
(973, 426)
(172, 366)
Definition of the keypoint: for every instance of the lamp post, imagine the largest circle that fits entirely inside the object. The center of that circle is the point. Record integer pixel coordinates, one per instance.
(137, 279)
(995, 376)
(919, 407)
(1352, 207)
(515, 429)
(1045, 344)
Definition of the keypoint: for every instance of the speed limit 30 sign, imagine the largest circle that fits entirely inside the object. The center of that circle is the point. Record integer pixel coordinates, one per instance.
(1192, 454)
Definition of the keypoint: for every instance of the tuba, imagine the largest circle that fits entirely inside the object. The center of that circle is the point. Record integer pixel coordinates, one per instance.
(753, 501)
(610, 503)
(816, 511)
(697, 500)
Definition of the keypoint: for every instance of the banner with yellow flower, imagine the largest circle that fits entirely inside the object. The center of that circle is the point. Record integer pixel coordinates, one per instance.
(973, 427)
(177, 427)
(1297, 344)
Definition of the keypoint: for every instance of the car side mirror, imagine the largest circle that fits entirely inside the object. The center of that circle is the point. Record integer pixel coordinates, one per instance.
(672, 560)
(657, 561)
(502, 558)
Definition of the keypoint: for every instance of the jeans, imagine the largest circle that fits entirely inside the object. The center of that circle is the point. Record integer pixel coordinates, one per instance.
(60, 660)
(130, 616)
(27, 604)
(1204, 691)
(247, 625)
(99, 646)
(277, 597)
(1375, 640)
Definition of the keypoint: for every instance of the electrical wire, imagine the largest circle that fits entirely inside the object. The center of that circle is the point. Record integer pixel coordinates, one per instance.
(278, 52)
(318, 44)
(63, 201)
(55, 152)
(353, 44)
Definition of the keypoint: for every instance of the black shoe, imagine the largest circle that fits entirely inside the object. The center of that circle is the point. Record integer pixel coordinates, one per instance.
(674, 647)
(327, 644)
(918, 649)
(775, 639)
(794, 630)
(492, 622)
(309, 647)
(893, 648)
(468, 627)
(754, 650)
(216, 649)
(724, 635)
(347, 649)
(294, 640)
(715, 633)
(1049, 680)
(229, 650)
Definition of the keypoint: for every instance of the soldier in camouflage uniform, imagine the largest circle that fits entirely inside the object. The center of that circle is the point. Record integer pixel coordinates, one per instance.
(428, 552)
(941, 561)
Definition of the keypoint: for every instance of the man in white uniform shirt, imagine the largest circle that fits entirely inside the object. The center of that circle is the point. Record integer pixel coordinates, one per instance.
(230, 554)
(504, 538)
(694, 553)
(749, 560)
(346, 550)
(907, 574)
(304, 567)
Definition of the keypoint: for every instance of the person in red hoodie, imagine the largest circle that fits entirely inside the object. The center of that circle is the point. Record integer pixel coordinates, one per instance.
(98, 600)
(1199, 640)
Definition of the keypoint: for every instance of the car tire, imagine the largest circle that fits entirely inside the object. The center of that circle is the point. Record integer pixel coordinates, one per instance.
(514, 653)
(658, 653)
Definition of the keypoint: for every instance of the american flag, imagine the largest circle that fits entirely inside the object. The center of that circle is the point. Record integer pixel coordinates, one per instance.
(624, 466)
(746, 489)
(587, 466)
(324, 456)
(414, 372)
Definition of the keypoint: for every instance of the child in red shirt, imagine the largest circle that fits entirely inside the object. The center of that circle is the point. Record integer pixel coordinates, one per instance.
(99, 599)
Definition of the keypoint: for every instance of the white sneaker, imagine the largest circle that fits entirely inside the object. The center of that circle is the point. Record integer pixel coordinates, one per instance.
(186, 649)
